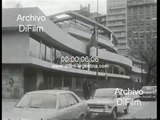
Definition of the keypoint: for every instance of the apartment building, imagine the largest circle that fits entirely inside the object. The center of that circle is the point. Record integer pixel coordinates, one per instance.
(117, 22)
(141, 23)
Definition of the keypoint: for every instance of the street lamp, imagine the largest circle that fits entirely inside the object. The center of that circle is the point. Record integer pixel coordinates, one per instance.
(97, 43)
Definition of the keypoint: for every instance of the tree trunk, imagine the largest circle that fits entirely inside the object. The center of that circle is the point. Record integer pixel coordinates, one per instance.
(148, 76)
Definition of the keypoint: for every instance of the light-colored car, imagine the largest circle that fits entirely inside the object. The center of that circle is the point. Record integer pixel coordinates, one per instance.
(149, 92)
(104, 102)
(48, 105)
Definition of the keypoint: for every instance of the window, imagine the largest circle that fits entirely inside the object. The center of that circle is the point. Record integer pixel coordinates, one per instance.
(62, 101)
(58, 56)
(116, 70)
(48, 54)
(42, 51)
(71, 99)
(40, 101)
(53, 54)
(79, 82)
(34, 48)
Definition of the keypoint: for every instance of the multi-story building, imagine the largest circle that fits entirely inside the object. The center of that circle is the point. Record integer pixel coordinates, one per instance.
(117, 22)
(33, 59)
(141, 23)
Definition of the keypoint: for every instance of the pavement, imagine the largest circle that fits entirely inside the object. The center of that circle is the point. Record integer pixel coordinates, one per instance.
(8, 104)
(147, 109)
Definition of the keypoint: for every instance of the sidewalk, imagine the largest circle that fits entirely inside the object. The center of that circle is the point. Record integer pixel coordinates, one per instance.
(7, 104)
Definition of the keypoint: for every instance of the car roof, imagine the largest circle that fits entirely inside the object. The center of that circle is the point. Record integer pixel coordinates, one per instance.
(50, 92)
(148, 86)
(109, 88)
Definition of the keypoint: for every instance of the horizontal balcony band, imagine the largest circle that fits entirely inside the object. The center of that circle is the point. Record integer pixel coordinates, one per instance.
(48, 65)
(111, 57)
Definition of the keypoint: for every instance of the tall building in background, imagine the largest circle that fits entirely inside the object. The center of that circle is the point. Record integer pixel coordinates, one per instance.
(85, 11)
(117, 22)
(141, 21)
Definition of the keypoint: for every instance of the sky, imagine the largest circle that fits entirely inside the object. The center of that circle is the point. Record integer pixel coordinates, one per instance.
(50, 7)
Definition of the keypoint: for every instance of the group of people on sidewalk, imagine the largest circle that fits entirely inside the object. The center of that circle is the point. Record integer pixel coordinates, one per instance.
(88, 89)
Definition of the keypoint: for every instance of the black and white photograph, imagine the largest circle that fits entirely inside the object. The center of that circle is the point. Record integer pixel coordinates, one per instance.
(79, 59)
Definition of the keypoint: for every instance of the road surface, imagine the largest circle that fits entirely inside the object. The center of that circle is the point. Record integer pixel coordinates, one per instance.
(147, 109)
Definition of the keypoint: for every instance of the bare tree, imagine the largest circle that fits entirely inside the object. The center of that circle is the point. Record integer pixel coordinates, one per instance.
(148, 55)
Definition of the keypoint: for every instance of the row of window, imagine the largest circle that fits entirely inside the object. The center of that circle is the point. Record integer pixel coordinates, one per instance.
(121, 34)
(41, 51)
(47, 53)
(140, 2)
(116, 23)
(115, 11)
(117, 28)
(117, 5)
(117, 17)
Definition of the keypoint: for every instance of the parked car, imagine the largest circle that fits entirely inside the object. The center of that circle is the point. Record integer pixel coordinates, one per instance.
(104, 102)
(48, 105)
(149, 92)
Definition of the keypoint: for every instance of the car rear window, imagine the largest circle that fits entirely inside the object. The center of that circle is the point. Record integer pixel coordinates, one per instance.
(39, 101)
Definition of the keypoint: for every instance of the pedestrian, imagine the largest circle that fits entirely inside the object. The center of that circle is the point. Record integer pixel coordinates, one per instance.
(89, 86)
(86, 89)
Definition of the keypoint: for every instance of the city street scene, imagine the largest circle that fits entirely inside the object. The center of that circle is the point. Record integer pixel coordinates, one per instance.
(79, 59)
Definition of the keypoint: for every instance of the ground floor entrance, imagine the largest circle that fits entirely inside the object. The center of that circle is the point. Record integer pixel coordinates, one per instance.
(19, 79)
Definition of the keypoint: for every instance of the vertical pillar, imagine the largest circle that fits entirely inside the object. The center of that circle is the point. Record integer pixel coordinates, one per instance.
(40, 49)
(73, 83)
(62, 80)
(112, 69)
(88, 66)
(39, 78)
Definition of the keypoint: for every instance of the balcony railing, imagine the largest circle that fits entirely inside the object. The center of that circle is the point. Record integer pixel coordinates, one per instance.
(118, 13)
(118, 30)
(110, 25)
(120, 36)
(119, 7)
(115, 19)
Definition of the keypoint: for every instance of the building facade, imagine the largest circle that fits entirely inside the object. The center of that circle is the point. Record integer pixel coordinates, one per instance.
(132, 17)
(117, 22)
(142, 23)
(33, 60)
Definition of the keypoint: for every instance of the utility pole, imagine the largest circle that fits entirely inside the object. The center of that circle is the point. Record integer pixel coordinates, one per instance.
(97, 44)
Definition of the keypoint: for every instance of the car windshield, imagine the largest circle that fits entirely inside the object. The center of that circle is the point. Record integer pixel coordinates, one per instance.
(39, 101)
(148, 89)
(104, 93)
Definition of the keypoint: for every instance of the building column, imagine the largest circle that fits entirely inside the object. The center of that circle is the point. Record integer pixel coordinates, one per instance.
(62, 81)
(39, 78)
(73, 83)
(88, 66)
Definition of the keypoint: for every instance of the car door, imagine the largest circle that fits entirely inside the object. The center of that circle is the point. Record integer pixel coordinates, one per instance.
(63, 112)
(75, 106)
